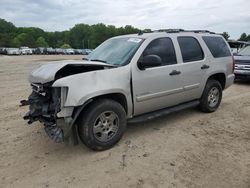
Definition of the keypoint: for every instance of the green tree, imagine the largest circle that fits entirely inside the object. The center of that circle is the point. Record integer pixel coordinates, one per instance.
(6, 27)
(243, 37)
(5, 40)
(59, 43)
(41, 42)
(79, 35)
(24, 39)
(248, 38)
(65, 46)
(15, 42)
(225, 35)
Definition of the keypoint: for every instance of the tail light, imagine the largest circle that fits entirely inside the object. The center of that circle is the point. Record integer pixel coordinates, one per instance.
(233, 64)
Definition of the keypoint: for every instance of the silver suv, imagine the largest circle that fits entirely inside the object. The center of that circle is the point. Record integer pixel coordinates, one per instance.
(130, 78)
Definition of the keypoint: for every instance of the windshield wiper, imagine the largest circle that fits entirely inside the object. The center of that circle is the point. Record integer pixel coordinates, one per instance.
(99, 60)
(84, 58)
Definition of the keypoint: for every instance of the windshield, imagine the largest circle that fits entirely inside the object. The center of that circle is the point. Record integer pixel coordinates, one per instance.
(116, 51)
(245, 51)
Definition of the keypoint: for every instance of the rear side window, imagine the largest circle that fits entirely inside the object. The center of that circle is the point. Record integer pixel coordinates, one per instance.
(190, 49)
(217, 46)
(164, 48)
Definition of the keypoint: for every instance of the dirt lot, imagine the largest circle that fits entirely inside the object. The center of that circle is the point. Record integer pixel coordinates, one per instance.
(186, 149)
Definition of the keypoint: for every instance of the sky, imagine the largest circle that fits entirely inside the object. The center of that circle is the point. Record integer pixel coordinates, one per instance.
(232, 16)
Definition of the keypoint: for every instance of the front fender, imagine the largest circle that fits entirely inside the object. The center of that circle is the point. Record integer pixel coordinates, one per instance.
(84, 86)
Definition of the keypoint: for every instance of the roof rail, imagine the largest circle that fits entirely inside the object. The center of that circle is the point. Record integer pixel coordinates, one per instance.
(174, 30)
(169, 30)
(200, 31)
(177, 31)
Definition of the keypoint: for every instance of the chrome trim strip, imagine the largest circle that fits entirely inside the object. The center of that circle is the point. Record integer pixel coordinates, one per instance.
(157, 95)
(189, 87)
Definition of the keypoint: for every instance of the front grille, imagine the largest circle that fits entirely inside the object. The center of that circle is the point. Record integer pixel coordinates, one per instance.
(242, 67)
(242, 62)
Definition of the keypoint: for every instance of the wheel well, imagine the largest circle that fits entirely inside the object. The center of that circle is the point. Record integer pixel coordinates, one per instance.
(118, 97)
(220, 77)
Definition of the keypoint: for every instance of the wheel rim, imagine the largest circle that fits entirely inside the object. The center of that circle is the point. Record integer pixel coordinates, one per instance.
(213, 97)
(106, 126)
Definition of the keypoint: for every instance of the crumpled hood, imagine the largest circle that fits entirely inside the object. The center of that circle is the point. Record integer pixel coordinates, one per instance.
(46, 73)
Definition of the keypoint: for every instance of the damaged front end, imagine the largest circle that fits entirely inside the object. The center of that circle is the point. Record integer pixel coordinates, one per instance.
(51, 103)
(44, 104)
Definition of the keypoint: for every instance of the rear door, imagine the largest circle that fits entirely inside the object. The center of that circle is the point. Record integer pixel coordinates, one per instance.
(194, 66)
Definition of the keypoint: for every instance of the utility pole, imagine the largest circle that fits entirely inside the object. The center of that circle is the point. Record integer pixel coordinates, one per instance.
(88, 44)
(83, 43)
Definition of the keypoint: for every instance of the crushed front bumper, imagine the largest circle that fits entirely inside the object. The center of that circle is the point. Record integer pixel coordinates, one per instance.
(44, 104)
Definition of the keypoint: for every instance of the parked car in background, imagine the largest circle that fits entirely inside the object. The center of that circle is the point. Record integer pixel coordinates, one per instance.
(78, 51)
(88, 51)
(236, 46)
(69, 51)
(3, 50)
(39, 50)
(33, 50)
(84, 52)
(129, 78)
(13, 51)
(59, 51)
(242, 64)
(49, 51)
(25, 50)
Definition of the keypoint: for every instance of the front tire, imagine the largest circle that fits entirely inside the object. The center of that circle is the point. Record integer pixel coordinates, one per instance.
(102, 124)
(211, 96)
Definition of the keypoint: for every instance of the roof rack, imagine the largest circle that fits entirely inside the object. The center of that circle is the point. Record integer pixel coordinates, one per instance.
(177, 31)
(200, 31)
(174, 30)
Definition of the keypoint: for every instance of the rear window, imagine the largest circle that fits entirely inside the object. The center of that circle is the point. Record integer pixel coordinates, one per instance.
(217, 46)
(190, 49)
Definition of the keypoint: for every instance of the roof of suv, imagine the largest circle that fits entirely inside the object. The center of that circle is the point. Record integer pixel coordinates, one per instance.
(172, 33)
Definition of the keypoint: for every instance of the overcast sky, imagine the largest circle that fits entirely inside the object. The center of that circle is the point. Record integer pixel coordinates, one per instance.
(232, 16)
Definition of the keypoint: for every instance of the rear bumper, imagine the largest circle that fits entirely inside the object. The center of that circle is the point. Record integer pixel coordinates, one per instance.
(229, 80)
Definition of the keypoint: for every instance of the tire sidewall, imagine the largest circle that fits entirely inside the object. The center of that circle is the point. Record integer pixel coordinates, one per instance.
(211, 84)
(86, 127)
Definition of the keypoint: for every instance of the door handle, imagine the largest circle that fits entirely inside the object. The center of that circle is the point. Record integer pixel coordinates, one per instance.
(174, 72)
(205, 66)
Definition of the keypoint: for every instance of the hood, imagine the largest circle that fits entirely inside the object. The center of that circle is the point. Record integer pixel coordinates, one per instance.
(241, 59)
(56, 70)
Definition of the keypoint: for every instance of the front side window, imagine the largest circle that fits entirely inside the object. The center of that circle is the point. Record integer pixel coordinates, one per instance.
(190, 49)
(164, 48)
(217, 46)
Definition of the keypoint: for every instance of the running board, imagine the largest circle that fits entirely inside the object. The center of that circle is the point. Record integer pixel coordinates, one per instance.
(163, 112)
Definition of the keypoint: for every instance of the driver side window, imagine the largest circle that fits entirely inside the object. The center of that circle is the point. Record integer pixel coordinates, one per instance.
(164, 48)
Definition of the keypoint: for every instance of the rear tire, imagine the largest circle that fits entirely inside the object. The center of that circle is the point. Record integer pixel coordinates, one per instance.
(211, 97)
(102, 124)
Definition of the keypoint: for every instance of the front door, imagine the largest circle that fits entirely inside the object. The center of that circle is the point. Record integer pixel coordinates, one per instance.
(161, 86)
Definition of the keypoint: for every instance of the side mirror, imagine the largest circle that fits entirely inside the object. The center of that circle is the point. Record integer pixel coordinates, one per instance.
(149, 61)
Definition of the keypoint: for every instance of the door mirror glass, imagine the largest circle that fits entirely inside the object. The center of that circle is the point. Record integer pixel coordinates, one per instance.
(149, 61)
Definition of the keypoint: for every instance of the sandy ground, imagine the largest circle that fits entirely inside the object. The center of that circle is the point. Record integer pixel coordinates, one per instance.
(185, 149)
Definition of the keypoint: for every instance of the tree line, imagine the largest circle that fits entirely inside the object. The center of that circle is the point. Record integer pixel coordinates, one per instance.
(80, 36)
